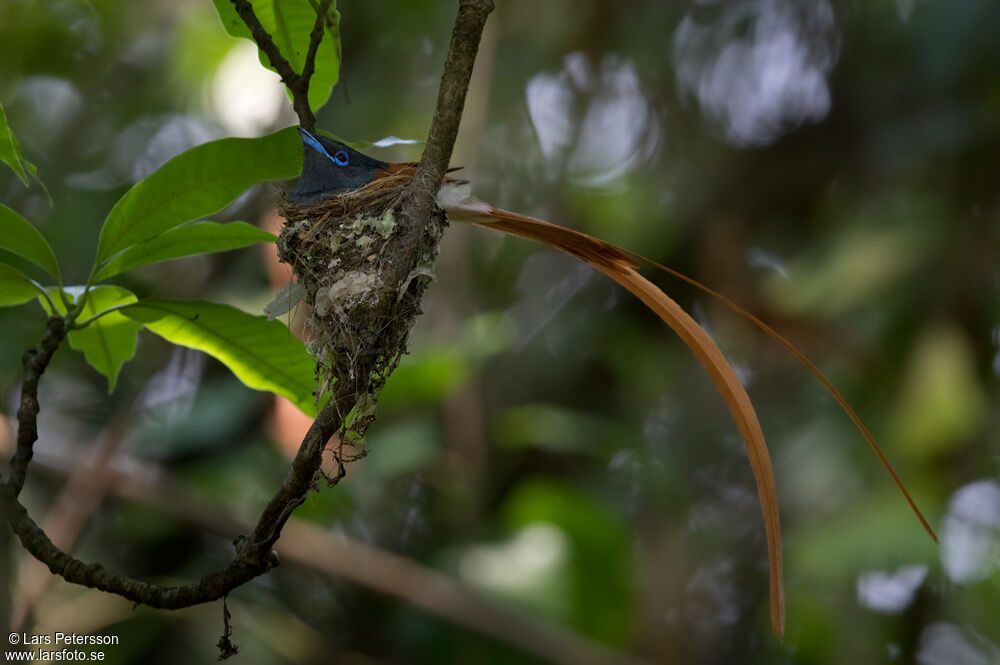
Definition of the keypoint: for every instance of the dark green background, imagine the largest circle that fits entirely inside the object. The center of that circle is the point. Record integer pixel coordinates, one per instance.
(549, 442)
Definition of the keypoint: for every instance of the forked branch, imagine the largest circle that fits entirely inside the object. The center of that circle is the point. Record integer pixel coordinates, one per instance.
(297, 82)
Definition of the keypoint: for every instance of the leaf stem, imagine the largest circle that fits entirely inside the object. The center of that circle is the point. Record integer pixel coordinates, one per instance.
(86, 322)
(45, 294)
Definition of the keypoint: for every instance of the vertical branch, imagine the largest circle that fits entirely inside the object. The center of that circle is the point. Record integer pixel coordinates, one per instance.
(419, 195)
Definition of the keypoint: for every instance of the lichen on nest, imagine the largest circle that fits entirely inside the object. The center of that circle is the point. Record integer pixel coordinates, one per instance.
(363, 273)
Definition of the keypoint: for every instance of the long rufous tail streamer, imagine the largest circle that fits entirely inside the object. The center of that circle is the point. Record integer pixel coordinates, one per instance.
(620, 265)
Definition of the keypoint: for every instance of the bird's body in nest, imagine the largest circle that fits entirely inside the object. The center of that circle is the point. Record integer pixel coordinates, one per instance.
(338, 180)
(336, 173)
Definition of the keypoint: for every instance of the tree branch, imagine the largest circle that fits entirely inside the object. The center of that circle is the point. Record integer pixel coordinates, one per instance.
(253, 554)
(297, 82)
(265, 43)
(34, 362)
(315, 37)
(369, 567)
(420, 192)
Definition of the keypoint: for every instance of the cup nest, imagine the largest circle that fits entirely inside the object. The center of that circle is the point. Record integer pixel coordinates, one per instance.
(363, 273)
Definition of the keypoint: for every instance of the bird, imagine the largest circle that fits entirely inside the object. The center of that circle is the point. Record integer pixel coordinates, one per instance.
(331, 168)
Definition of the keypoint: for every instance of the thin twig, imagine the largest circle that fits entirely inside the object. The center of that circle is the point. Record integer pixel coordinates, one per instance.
(265, 43)
(297, 82)
(307, 119)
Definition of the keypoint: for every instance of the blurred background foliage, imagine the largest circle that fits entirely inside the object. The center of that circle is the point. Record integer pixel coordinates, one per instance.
(548, 444)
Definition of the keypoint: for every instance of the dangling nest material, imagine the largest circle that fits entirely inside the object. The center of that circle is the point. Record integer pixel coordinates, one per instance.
(363, 275)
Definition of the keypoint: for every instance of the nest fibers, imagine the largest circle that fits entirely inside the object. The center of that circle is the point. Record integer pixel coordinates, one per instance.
(363, 275)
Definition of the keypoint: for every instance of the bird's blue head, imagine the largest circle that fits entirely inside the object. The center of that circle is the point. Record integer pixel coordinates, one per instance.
(329, 168)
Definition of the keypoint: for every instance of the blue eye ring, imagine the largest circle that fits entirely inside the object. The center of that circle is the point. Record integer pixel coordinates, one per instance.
(340, 158)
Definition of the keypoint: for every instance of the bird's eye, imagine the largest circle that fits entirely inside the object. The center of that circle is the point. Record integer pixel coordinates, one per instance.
(340, 158)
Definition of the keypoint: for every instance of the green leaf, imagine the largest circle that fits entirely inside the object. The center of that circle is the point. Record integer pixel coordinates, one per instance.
(199, 238)
(19, 236)
(108, 342)
(15, 287)
(196, 183)
(262, 354)
(289, 23)
(10, 151)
